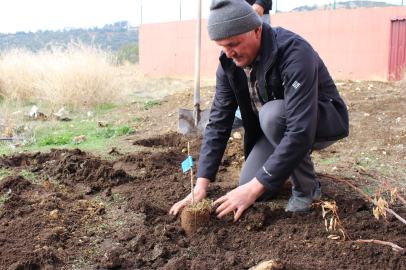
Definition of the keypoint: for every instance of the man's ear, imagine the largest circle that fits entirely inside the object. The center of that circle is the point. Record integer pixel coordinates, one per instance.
(258, 32)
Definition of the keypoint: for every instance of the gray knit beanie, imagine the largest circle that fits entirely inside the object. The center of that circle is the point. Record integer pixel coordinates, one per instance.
(229, 18)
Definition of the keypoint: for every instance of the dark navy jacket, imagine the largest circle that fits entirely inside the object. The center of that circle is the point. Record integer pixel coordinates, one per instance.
(289, 69)
(266, 4)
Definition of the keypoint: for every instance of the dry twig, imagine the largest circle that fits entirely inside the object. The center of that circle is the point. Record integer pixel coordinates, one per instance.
(366, 196)
(381, 242)
(332, 224)
(394, 192)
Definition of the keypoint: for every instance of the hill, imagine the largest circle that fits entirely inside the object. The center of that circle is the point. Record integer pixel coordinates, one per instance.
(109, 37)
(344, 5)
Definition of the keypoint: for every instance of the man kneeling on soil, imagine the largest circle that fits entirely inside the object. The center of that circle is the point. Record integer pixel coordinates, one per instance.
(289, 107)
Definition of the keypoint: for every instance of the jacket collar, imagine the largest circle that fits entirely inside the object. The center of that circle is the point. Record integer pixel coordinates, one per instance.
(269, 49)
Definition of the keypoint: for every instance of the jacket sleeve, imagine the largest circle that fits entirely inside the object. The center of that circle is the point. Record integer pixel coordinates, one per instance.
(266, 4)
(218, 129)
(298, 67)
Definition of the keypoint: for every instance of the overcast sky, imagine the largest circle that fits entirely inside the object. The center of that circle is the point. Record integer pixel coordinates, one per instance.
(32, 15)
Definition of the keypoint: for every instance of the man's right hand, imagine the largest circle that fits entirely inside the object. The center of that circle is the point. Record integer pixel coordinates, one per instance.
(258, 9)
(200, 191)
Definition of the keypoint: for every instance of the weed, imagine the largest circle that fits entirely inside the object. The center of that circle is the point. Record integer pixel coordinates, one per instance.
(81, 261)
(99, 227)
(96, 198)
(66, 138)
(106, 107)
(119, 223)
(27, 174)
(203, 205)
(191, 254)
(152, 103)
(2, 200)
(328, 161)
(4, 173)
(118, 196)
(110, 132)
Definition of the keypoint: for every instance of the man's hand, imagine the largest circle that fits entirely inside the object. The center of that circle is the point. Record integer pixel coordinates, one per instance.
(258, 9)
(240, 198)
(200, 192)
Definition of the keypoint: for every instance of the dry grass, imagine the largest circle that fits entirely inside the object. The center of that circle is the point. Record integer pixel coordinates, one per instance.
(147, 88)
(78, 76)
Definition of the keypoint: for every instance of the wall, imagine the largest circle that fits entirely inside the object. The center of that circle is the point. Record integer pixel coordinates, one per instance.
(354, 44)
(168, 50)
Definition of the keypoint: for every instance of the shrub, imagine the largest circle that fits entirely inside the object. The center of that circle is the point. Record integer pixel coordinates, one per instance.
(76, 76)
(128, 52)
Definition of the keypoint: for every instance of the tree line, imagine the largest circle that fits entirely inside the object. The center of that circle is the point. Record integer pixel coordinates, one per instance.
(110, 37)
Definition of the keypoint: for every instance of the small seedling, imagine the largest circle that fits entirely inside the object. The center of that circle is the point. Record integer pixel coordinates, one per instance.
(203, 205)
(195, 214)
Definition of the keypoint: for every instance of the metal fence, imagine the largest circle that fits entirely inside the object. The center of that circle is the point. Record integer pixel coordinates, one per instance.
(301, 5)
(174, 10)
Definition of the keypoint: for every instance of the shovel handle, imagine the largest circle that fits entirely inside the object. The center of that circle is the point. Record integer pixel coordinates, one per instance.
(197, 53)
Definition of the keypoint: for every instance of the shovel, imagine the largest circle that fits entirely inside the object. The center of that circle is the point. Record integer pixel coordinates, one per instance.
(193, 123)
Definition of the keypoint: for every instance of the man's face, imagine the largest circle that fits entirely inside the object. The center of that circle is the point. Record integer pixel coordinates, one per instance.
(242, 48)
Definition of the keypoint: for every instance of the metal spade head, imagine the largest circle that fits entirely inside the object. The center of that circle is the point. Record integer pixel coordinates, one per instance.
(193, 123)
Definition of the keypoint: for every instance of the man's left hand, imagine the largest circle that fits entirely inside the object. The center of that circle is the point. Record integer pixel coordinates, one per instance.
(240, 198)
(258, 9)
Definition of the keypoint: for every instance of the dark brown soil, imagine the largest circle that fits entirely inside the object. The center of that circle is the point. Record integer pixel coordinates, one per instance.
(69, 209)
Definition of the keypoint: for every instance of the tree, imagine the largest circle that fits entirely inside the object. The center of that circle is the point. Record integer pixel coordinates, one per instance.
(128, 52)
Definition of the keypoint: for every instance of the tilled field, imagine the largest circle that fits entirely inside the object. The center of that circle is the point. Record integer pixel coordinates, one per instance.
(69, 209)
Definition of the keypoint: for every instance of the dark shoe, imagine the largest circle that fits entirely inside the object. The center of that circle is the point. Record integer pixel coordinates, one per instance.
(237, 123)
(299, 204)
(302, 204)
(316, 193)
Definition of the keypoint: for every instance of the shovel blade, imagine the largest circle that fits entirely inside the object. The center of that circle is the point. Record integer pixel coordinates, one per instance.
(186, 122)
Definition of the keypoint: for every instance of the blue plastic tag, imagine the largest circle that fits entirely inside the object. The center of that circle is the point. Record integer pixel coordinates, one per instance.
(187, 164)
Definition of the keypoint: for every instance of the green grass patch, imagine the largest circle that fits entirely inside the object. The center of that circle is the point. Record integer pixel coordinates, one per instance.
(4, 173)
(2, 200)
(27, 174)
(328, 161)
(110, 132)
(152, 103)
(104, 108)
(56, 139)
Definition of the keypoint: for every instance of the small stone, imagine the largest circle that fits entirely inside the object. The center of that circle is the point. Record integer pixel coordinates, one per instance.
(268, 265)
(80, 138)
(361, 169)
(366, 114)
(237, 135)
(103, 123)
(54, 214)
